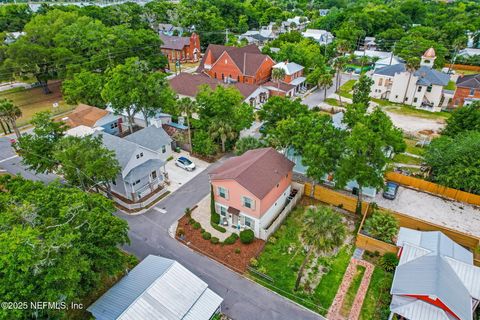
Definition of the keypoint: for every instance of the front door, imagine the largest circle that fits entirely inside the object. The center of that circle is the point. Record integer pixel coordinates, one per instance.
(234, 220)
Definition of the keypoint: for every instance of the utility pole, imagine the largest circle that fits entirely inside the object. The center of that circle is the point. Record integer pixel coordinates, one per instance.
(452, 62)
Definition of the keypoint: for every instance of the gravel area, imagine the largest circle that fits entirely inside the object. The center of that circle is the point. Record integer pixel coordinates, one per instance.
(452, 214)
(413, 124)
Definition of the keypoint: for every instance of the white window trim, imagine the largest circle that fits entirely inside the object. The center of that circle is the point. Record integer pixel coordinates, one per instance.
(252, 202)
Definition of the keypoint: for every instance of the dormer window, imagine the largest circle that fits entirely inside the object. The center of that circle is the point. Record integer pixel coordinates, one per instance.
(139, 155)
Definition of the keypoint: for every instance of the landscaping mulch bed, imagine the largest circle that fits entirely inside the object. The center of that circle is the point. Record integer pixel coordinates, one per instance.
(224, 254)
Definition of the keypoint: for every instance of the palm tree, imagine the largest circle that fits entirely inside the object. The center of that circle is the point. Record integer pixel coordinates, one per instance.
(223, 131)
(323, 231)
(187, 106)
(325, 81)
(10, 113)
(277, 75)
(411, 65)
(339, 64)
(363, 61)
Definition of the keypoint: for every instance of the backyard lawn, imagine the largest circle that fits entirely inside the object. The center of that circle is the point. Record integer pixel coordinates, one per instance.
(406, 159)
(34, 100)
(284, 254)
(377, 300)
(413, 149)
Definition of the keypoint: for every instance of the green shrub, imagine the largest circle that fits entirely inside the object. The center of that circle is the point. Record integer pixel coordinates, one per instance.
(203, 144)
(196, 225)
(214, 240)
(231, 239)
(188, 212)
(237, 250)
(272, 240)
(389, 261)
(382, 226)
(206, 235)
(247, 236)
(191, 221)
(254, 262)
(262, 269)
(170, 158)
(219, 228)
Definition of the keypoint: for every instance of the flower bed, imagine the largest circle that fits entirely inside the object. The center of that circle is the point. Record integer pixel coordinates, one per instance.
(235, 256)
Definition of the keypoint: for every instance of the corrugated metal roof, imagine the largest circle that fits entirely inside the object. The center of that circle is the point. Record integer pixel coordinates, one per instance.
(436, 242)
(157, 288)
(432, 276)
(410, 252)
(469, 274)
(415, 309)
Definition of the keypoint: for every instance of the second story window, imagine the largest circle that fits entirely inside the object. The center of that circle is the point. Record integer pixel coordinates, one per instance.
(429, 89)
(139, 155)
(419, 88)
(222, 192)
(248, 203)
(164, 149)
(472, 91)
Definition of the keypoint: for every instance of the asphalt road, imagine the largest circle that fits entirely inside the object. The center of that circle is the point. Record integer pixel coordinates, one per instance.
(10, 162)
(243, 299)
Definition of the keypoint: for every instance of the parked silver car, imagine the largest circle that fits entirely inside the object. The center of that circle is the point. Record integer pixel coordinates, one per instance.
(185, 163)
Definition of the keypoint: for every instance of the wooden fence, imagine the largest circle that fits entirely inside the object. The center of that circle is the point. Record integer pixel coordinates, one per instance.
(349, 203)
(334, 198)
(434, 188)
(463, 67)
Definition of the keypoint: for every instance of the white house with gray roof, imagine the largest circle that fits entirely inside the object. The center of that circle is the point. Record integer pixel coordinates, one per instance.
(142, 161)
(435, 278)
(158, 288)
(423, 88)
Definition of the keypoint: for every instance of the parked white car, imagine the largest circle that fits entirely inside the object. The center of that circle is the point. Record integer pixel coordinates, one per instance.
(185, 163)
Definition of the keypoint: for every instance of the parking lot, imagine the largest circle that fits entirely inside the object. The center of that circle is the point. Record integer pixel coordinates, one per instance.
(179, 176)
(449, 213)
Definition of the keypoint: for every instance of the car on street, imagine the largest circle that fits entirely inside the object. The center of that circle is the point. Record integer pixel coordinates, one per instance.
(391, 189)
(185, 163)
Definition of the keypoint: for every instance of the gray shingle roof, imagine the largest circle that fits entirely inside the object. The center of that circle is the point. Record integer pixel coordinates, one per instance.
(429, 76)
(143, 170)
(391, 70)
(432, 276)
(152, 138)
(157, 288)
(469, 81)
(123, 148)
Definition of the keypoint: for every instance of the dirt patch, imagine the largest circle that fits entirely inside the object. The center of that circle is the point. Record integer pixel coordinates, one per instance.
(225, 254)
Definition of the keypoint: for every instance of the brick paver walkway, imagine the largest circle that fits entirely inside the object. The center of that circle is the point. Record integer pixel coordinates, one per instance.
(334, 311)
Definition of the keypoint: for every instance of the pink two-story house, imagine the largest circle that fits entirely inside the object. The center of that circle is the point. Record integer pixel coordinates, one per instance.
(252, 189)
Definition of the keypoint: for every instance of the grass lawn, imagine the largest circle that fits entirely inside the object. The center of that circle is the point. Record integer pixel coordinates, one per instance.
(34, 100)
(406, 159)
(352, 291)
(281, 260)
(411, 148)
(346, 88)
(377, 300)
(411, 111)
(451, 85)
(332, 102)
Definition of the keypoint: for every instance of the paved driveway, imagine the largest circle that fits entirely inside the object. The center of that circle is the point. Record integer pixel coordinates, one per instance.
(243, 299)
(317, 96)
(178, 176)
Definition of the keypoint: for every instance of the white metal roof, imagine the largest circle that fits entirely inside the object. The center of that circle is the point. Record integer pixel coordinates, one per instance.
(289, 67)
(157, 288)
(415, 309)
(436, 242)
(469, 274)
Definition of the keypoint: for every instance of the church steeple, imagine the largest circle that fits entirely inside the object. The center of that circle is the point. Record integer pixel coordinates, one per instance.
(428, 58)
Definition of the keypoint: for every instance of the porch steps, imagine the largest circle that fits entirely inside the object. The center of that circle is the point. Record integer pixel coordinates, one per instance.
(358, 253)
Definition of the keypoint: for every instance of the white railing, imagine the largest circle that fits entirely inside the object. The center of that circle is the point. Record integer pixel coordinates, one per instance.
(265, 233)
